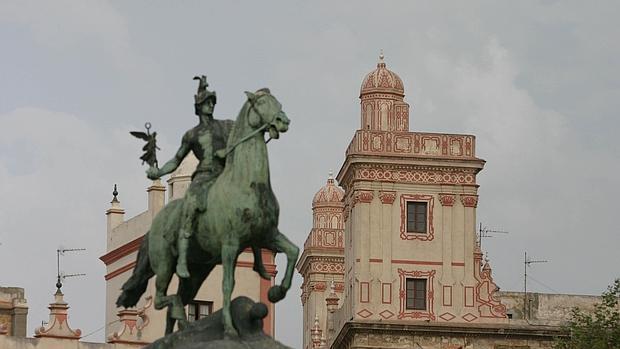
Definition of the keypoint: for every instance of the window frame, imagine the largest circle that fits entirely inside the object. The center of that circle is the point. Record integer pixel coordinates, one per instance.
(407, 313)
(405, 234)
(413, 223)
(415, 297)
(194, 307)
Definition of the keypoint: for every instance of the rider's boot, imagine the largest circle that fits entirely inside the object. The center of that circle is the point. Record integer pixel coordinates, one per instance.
(182, 245)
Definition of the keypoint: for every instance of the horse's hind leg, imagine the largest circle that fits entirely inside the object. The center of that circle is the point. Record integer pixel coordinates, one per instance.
(175, 308)
(259, 267)
(230, 250)
(282, 244)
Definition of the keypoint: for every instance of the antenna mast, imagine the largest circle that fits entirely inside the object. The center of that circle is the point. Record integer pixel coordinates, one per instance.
(60, 277)
(485, 232)
(526, 264)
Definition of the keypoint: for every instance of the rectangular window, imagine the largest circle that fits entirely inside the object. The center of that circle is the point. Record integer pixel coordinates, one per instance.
(197, 310)
(416, 217)
(416, 294)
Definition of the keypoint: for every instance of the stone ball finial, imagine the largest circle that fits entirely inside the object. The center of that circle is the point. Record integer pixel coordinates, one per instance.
(115, 194)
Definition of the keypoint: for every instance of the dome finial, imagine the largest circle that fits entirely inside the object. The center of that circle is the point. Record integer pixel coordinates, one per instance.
(330, 178)
(381, 57)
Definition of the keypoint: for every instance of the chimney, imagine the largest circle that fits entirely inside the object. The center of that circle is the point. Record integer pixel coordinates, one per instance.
(157, 197)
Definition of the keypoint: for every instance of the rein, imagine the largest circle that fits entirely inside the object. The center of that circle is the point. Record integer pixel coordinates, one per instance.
(251, 134)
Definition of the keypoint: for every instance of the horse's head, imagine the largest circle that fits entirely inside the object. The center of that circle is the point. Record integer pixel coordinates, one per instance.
(266, 112)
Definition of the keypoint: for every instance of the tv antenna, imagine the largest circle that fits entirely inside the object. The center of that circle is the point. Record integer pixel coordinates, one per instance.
(62, 276)
(485, 232)
(526, 264)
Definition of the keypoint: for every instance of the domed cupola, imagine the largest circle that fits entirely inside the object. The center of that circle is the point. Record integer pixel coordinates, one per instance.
(329, 195)
(382, 80)
(382, 101)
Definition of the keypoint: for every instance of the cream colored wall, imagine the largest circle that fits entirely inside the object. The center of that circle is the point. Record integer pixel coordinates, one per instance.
(375, 230)
(9, 342)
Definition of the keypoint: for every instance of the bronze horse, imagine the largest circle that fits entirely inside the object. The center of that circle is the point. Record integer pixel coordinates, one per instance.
(242, 213)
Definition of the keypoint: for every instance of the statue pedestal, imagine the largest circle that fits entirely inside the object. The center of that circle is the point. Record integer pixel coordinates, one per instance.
(208, 333)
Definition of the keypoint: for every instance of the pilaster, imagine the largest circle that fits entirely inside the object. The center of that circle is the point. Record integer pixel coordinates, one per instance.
(157, 197)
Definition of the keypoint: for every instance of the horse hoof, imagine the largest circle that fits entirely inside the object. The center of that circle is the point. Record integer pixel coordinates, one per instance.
(258, 311)
(276, 293)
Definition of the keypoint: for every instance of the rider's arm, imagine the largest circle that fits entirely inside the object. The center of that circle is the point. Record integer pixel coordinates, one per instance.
(172, 164)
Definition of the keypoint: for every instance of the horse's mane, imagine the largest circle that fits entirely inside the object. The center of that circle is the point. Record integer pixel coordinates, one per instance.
(240, 122)
(235, 132)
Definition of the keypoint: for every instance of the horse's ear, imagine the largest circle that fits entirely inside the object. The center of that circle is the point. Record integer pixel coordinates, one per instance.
(251, 96)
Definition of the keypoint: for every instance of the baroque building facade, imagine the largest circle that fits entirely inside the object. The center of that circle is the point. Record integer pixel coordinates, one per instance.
(408, 271)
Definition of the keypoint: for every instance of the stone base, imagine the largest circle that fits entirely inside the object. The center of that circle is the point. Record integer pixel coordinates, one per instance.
(208, 333)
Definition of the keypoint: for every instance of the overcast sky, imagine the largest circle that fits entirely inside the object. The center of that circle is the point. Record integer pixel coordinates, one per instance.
(538, 83)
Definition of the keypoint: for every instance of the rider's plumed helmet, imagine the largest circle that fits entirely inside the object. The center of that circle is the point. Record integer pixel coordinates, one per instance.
(203, 94)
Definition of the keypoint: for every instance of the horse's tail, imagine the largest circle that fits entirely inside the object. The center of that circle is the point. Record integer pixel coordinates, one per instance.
(137, 283)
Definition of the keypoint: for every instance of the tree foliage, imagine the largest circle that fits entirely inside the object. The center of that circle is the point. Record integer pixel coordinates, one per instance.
(599, 329)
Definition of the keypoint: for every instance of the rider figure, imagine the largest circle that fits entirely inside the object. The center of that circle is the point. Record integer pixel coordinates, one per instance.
(204, 140)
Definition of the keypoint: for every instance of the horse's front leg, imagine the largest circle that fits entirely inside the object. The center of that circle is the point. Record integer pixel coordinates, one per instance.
(230, 251)
(282, 244)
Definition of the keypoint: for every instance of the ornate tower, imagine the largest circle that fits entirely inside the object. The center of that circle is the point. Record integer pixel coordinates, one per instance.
(411, 251)
(383, 107)
(322, 261)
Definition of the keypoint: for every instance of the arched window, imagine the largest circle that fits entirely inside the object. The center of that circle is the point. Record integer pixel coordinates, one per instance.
(383, 115)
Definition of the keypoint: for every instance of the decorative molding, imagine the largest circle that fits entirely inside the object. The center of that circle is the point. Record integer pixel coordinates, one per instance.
(409, 261)
(489, 305)
(122, 251)
(327, 267)
(362, 196)
(409, 174)
(430, 295)
(386, 314)
(387, 197)
(447, 296)
(430, 229)
(469, 317)
(325, 238)
(411, 144)
(131, 330)
(447, 316)
(447, 199)
(364, 313)
(469, 200)
(386, 293)
(120, 270)
(58, 325)
(364, 292)
(468, 294)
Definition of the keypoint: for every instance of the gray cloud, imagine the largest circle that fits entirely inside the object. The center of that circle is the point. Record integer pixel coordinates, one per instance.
(536, 82)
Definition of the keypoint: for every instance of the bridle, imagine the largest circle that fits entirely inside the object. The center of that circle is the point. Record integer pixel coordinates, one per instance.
(260, 129)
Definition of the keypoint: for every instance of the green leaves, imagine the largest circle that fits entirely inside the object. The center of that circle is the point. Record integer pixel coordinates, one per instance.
(597, 330)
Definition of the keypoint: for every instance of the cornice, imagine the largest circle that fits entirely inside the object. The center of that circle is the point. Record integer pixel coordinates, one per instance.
(410, 328)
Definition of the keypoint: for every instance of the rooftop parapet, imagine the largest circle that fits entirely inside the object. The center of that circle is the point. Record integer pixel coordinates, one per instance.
(413, 144)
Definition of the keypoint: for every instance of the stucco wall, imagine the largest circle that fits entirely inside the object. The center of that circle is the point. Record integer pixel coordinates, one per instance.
(9, 342)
